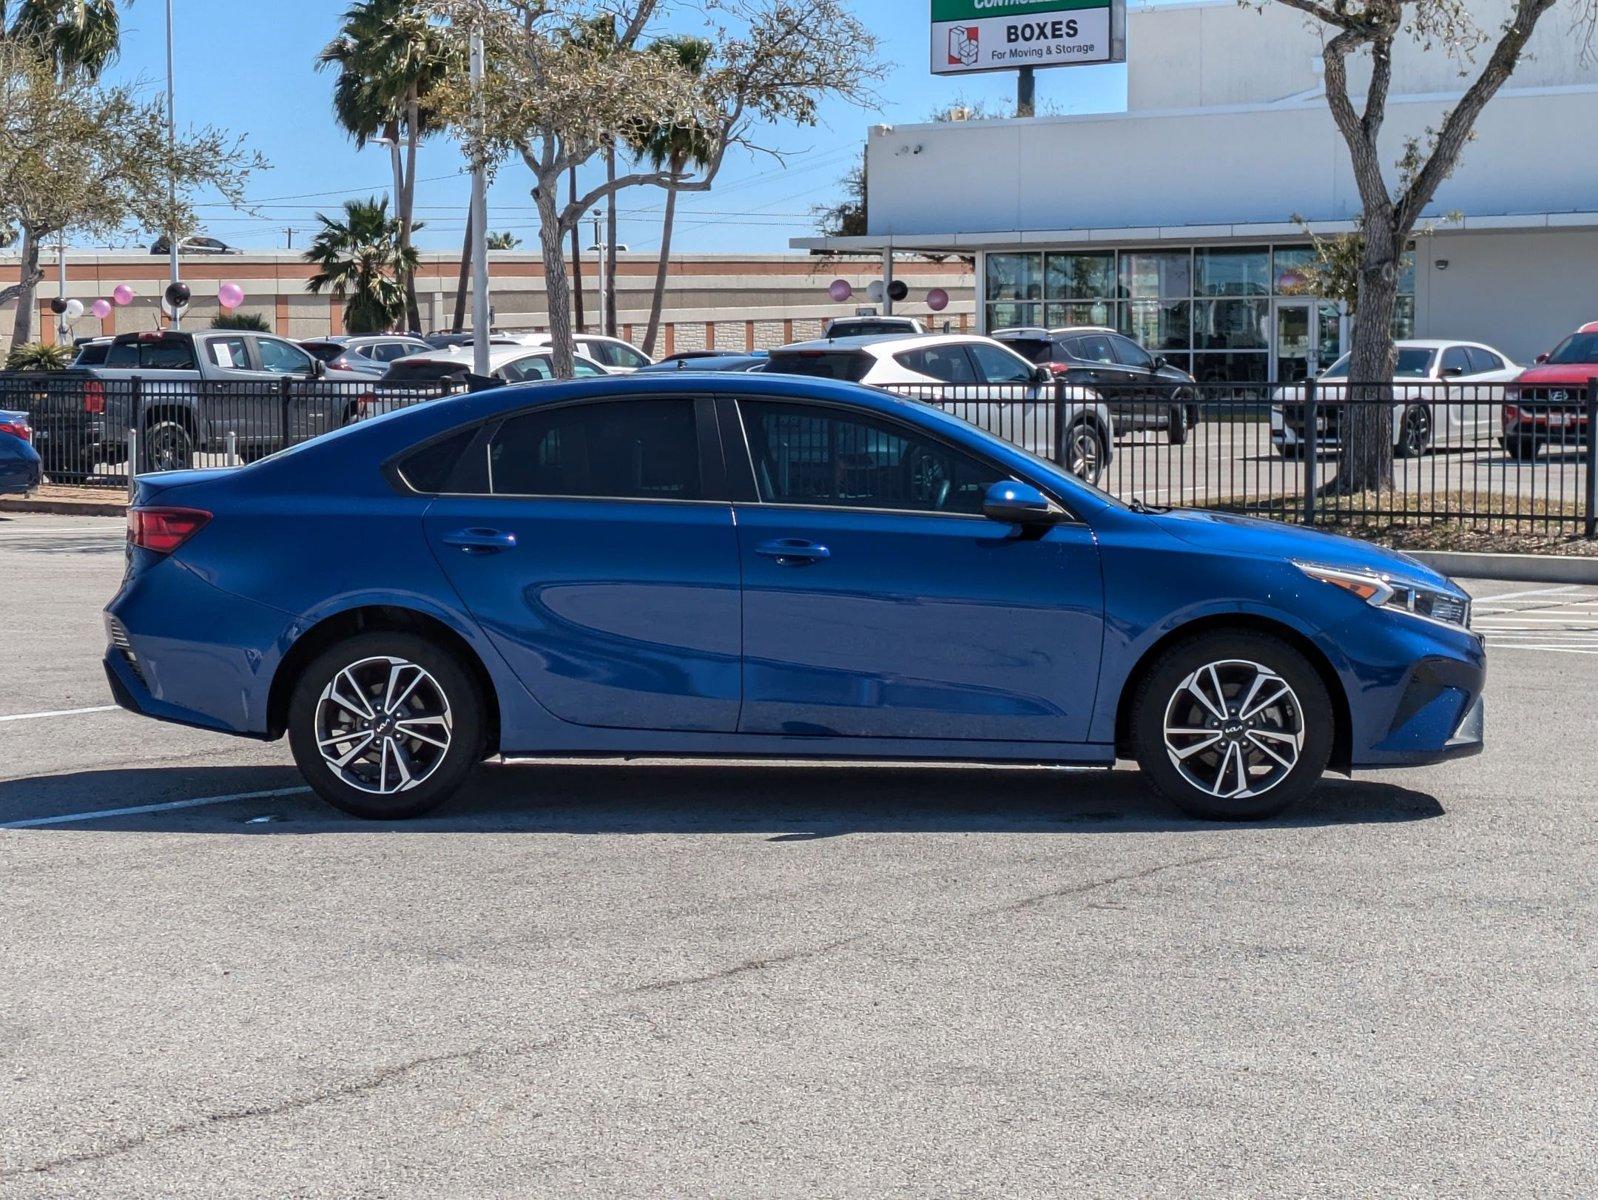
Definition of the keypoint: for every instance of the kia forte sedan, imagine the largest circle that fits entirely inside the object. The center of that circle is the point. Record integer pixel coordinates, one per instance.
(763, 566)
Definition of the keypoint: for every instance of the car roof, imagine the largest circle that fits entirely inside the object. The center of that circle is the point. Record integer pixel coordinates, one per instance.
(884, 342)
(1059, 331)
(1589, 327)
(498, 356)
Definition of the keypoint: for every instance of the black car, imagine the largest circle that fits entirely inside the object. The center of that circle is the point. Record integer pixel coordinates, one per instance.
(754, 361)
(1142, 390)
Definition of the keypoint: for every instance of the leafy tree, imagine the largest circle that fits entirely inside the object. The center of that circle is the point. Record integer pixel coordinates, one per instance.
(503, 241)
(391, 57)
(672, 147)
(361, 261)
(846, 217)
(1366, 30)
(555, 100)
(249, 322)
(37, 356)
(77, 157)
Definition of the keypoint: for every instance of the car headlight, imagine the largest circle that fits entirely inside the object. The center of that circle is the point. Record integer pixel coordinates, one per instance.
(1383, 591)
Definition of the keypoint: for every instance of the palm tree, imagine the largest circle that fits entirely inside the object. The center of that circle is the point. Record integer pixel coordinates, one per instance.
(503, 241)
(362, 262)
(390, 58)
(673, 148)
(77, 39)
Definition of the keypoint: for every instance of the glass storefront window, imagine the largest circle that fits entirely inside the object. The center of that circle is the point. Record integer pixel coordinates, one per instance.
(1231, 368)
(1080, 276)
(1158, 327)
(1292, 267)
(1404, 317)
(1015, 277)
(1231, 324)
(1157, 275)
(1094, 312)
(1008, 315)
(1233, 272)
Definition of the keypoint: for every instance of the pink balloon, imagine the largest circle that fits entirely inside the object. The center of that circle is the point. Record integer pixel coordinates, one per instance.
(840, 290)
(937, 299)
(230, 294)
(122, 294)
(101, 308)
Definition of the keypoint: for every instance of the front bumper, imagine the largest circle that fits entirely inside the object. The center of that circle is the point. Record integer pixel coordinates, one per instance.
(1428, 708)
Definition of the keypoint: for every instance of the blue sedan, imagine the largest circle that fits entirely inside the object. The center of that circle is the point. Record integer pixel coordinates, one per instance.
(763, 566)
(20, 469)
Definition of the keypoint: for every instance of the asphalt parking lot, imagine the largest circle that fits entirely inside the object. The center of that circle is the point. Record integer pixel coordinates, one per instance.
(652, 981)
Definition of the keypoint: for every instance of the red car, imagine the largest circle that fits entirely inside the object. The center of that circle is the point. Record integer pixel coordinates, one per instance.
(1548, 403)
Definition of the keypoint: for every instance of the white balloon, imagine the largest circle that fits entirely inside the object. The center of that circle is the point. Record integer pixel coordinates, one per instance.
(874, 290)
(74, 310)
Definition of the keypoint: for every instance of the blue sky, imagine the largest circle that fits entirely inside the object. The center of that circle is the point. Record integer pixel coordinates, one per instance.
(249, 68)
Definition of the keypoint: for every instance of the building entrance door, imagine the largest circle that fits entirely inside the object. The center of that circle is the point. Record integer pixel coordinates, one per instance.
(1304, 339)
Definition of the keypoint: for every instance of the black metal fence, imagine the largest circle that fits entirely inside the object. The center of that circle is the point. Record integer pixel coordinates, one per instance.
(1486, 456)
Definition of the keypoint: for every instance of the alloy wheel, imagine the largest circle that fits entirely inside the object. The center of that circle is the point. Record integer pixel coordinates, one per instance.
(1082, 453)
(1417, 433)
(383, 725)
(1234, 729)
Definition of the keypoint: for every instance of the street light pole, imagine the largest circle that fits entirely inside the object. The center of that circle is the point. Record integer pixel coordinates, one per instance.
(479, 222)
(602, 256)
(172, 179)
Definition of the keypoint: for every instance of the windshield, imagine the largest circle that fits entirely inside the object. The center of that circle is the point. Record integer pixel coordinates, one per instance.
(1577, 348)
(1413, 363)
(427, 370)
(322, 351)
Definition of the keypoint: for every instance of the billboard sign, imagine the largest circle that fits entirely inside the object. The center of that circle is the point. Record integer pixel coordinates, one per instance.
(1004, 35)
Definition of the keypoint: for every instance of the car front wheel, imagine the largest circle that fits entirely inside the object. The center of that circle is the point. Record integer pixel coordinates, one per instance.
(386, 725)
(1232, 726)
(1085, 451)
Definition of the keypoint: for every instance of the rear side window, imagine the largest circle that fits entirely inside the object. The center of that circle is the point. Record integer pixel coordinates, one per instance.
(229, 353)
(430, 468)
(1482, 361)
(950, 364)
(1093, 347)
(323, 351)
(628, 450)
(1037, 350)
(168, 354)
(92, 355)
(1454, 359)
(823, 364)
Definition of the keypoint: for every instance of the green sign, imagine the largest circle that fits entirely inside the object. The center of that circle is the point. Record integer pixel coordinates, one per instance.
(1005, 35)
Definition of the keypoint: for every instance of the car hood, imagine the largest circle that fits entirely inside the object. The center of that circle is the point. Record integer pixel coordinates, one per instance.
(1257, 538)
(1577, 373)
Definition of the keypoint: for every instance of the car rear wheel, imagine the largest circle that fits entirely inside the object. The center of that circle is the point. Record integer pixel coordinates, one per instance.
(1181, 422)
(1414, 432)
(386, 725)
(1085, 451)
(166, 446)
(1232, 726)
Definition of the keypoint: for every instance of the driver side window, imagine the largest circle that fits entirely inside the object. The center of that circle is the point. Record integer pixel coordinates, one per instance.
(281, 358)
(999, 366)
(813, 455)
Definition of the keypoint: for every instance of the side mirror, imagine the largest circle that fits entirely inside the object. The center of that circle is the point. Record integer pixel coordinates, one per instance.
(318, 368)
(1160, 362)
(1014, 503)
(1453, 372)
(1542, 358)
(1042, 374)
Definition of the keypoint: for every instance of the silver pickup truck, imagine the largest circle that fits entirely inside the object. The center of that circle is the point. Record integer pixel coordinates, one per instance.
(184, 393)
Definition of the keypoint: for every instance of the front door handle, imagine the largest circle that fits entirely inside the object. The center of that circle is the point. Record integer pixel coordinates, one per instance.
(481, 541)
(793, 552)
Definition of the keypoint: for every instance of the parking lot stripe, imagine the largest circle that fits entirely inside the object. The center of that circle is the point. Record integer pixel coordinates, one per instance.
(59, 712)
(141, 809)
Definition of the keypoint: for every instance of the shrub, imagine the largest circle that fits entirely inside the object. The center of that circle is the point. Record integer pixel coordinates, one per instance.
(36, 356)
(250, 322)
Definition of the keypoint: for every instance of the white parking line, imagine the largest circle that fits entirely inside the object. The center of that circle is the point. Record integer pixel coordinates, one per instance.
(1552, 591)
(59, 712)
(140, 809)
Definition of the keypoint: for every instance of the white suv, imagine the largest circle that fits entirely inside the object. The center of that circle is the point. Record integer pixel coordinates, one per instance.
(976, 379)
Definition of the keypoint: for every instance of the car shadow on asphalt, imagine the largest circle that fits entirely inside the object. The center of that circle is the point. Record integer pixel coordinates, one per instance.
(785, 803)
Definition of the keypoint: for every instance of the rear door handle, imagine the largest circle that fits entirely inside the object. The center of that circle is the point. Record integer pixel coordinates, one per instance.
(793, 552)
(481, 541)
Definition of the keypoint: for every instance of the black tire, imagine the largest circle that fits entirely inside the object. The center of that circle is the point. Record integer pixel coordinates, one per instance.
(1521, 449)
(1086, 451)
(1292, 452)
(446, 770)
(352, 414)
(1414, 432)
(166, 445)
(1180, 425)
(1161, 690)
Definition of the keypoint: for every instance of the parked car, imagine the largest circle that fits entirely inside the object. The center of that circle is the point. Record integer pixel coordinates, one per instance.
(81, 415)
(362, 354)
(193, 245)
(842, 327)
(417, 377)
(447, 341)
(92, 352)
(754, 361)
(616, 356)
(20, 469)
(1142, 390)
(1445, 393)
(763, 566)
(1547, 404)
(974, 378)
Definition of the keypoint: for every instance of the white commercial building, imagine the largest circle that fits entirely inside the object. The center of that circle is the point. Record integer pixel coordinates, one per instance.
(1179, 220)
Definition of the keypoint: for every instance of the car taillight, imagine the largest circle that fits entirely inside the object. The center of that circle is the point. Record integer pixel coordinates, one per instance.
(17, 429)
(94, 396)
(163, 530)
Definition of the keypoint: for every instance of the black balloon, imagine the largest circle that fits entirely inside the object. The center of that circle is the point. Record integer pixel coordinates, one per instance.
(898, 289)
(178, 294)
(58, 305)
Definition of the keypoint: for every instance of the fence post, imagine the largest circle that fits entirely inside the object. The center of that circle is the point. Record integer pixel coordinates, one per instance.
(286, 389)
(134, 429)
(1592, 458)
(1059, 424)
(1312, 445)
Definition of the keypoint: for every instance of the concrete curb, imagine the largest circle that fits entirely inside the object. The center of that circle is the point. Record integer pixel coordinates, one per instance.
(63, 508)
(1518, 568)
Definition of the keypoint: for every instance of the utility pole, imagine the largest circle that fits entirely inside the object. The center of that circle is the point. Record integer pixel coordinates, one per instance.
(577, 259)
(1026, 93)
(62, 328)
(610, 241)
(172, 179)
(479, 221)
(288, 232)
(601, 252)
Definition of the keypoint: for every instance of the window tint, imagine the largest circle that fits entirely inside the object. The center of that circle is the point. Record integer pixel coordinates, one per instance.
(1036, 349)
(1455, 361)
(996, 366)
(626, 356)
(1482, 361)
(426, 370)
(282, 358)
(806, 454)
(1578, 348)
(168, 354)
(582, 369)
(823, 364)
(1094, 347)
(946, 363)
(325, 351)
(429, 469)
(1131, 354)
(631, 449)
(534, 366)
(231, 354)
